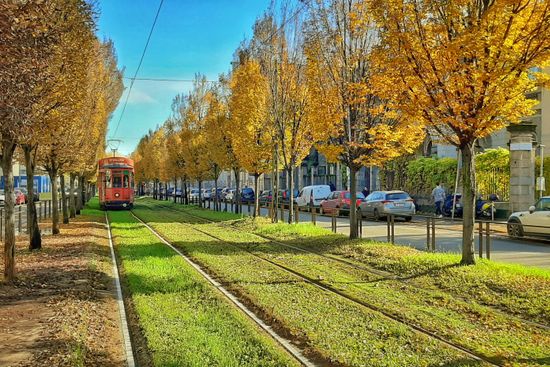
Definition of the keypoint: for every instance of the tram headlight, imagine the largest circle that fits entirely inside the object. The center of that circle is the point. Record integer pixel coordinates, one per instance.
(117, 194)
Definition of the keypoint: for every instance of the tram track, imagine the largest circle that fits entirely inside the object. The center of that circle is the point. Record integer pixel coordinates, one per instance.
(382, 274)
(285, 343)
(335, 291)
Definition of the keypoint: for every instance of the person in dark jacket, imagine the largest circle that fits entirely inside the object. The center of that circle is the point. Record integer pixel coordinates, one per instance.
(365, 192)
(332, 187)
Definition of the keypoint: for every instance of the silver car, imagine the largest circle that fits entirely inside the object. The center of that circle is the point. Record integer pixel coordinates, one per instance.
(381, 203)
(535, 221)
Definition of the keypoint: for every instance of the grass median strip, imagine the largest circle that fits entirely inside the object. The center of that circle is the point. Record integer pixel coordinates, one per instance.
(339, 330)
(184, 320)
(516, 289)
(469, 324)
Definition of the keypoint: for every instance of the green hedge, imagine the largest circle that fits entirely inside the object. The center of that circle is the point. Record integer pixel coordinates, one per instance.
(419, 176)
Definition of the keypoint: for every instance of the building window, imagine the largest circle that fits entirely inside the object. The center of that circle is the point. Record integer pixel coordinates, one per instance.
(535, 96)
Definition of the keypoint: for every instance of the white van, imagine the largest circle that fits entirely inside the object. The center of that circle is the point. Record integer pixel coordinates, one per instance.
(319, 193)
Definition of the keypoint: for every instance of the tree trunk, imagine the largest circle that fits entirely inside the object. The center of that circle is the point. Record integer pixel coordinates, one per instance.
(468, 202)
(77, 196)
(290, 176)
(82, 192)
(353, 232)
(215, 194)
(55, 200)
(9, 210)
(175, 189)
(275, 187)
(185, 198)
(237, 196)
(72, 203)
(256, 196)
(35, 241)
(64, 207)
(200, 194)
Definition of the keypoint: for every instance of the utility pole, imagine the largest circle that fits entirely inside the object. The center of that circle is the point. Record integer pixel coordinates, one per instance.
(541, 183)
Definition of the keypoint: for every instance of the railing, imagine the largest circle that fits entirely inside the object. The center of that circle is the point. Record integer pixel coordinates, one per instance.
(43, 211)
(483, 228)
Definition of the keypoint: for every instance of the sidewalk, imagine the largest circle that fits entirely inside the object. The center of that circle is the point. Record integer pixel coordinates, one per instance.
(62, 310)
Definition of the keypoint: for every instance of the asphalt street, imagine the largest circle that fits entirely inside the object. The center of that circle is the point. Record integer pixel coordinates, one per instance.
(448, 238)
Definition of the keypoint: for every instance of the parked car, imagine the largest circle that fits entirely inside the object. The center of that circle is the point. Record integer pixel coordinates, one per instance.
(2, 197)
(247, 194)
(230, 194)
(36, 196)
(315, 194)
(340, 201)
(20, 197)
(266, 196)
(206, 194)
(285, 195)
(535, 221)
(224, 192)
(213, 193)
(194, 194)
(381, 203)
(178, 193)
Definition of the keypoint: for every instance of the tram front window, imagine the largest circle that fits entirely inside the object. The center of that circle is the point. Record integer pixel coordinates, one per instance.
(117, 181)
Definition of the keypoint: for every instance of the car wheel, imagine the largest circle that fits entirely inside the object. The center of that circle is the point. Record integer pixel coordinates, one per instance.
(515, 228)
(376, 215)
(408, 219)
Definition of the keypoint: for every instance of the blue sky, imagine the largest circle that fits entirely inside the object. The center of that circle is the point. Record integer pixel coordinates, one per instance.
(190, 36)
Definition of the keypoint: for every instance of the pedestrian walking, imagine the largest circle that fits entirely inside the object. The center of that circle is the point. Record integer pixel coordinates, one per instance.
(365, 191)
(438, 195)
(332, 187)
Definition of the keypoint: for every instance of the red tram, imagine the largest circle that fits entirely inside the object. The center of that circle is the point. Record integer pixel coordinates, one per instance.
(116, 183)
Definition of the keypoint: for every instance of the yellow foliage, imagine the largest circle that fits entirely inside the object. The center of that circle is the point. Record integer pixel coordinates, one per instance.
(251, 134)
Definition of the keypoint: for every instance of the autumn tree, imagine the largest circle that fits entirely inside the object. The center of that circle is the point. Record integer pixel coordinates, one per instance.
(463, 68)
(278, 47)
(252, 137)
(220, 146)
(341, 38)
(27, 36)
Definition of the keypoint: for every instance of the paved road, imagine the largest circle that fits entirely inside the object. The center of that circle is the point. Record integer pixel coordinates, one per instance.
(448, 239)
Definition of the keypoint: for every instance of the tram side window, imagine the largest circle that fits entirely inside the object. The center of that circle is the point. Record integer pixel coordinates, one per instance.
(126, 181)
(117, 181)
(107, 179)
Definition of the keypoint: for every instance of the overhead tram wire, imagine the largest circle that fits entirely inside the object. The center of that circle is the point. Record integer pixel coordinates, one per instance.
(269, 38)
(167, 80)
(139, 66)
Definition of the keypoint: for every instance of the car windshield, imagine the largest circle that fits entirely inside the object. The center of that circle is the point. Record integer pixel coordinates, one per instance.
(543, 205)
(397, 196)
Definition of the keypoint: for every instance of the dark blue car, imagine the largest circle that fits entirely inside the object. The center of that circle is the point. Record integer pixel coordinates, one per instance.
(247, 194)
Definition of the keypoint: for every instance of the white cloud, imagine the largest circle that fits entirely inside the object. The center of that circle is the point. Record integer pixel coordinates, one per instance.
(140, 97)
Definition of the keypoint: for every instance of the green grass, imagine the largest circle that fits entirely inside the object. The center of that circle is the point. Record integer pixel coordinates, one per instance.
(469, 323)
(516, 289)
(185, 321)
(339, 330)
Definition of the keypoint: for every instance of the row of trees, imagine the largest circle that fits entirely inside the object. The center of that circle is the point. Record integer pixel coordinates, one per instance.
(362, 80)
(60, 85)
